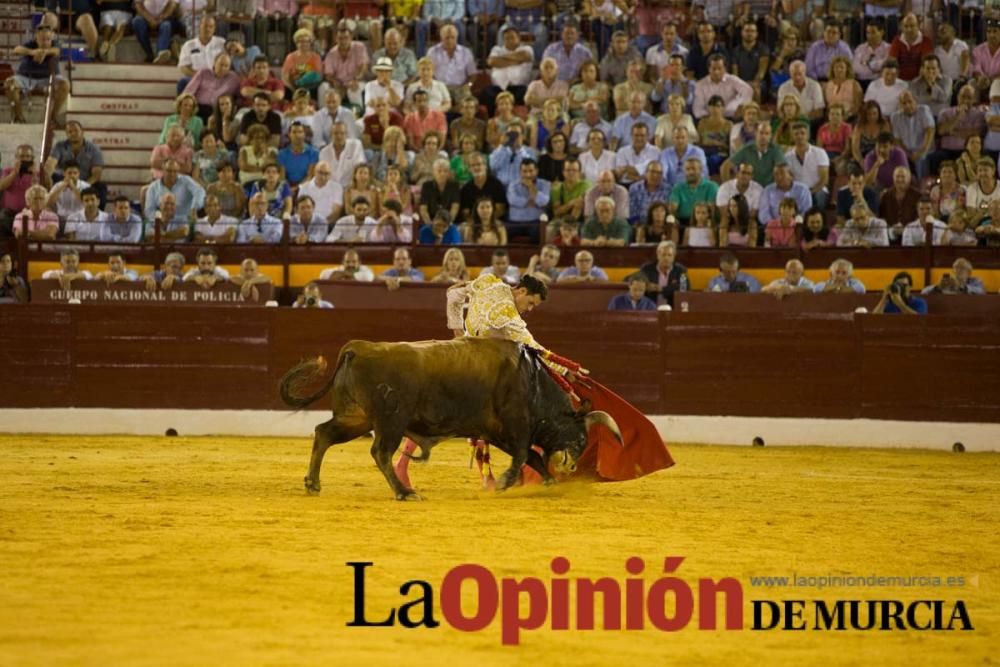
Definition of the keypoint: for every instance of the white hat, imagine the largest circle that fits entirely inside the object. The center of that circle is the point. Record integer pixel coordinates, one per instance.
(383, 63)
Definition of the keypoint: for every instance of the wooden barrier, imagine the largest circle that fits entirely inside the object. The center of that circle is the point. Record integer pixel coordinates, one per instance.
(131, 293)
(937, 368)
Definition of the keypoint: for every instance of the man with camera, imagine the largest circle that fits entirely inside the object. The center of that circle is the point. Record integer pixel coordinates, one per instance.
(311, 298)
(896, 297)
(14, 183)
(505, 162)
(960, 281)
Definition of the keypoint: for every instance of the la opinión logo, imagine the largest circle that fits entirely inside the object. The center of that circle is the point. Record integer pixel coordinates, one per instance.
(629, 604)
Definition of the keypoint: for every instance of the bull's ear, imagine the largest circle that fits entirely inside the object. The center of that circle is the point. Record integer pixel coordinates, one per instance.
(584, 408)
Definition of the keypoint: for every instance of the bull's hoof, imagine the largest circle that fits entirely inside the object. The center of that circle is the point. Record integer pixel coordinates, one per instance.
(506, 481)
(549, 482)
(409, 495)
(312, 488)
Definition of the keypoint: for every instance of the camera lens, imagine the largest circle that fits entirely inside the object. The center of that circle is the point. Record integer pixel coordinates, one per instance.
(311, 301)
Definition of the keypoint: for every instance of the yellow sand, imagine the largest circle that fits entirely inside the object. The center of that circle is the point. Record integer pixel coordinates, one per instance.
(207, 551)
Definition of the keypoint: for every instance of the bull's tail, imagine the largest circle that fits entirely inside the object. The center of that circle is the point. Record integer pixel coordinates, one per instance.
(305, 373)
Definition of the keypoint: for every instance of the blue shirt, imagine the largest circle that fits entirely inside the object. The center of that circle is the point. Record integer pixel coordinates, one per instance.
(853, 283)
(625, 302)
(640, 199)
(269, 228)
(770, 200)
(622, 129)
(297, 165)
(275, 200)
(572, 272)
(523, 209)
(129, 231)
(569, 63)
(453, 10)
(190, 196)
(674, 88)
(413, 274)
(914, 302)
(720, 284)
(316, 229)
(451, 236)
(506, 164)
(673, 165)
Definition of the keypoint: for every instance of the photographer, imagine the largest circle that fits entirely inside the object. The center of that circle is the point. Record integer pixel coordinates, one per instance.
(311, 298)
(14, 183)
(962, 282)
(505, 162)
(896, 297)
(12, 287)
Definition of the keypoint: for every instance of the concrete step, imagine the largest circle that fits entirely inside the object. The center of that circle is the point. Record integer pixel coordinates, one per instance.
(119, 174)
(121, 157)
(34, 114)
(130, 139)
(12, 136)
(134, 72)
(104, 120)
(126, 89)
(157, 106)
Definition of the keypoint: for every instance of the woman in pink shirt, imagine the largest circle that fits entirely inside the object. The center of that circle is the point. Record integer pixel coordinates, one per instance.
(834, 137)
(781, 233)
(843, 88)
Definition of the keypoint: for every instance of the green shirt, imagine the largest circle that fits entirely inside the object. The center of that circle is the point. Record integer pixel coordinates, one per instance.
(686, 196)
(763, 164)
(562, 194)
(618, 229)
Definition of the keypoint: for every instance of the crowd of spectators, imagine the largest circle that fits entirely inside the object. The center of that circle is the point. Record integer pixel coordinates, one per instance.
(571, 124)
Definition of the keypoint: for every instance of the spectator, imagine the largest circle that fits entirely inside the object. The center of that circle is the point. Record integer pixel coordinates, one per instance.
(614, 64)
(963, 282)
(303, 67)
(898, 204)
(261, 81)
(882, 162)
(583, 270)
(453, 269)
(676, 157)
(952, 53)
(185, 117)
(834, 137)
(277, 191)
(422, 120)
(440, 13)
(311, 297)
(961, 230)
(547, 126)
(345, 67)
(157, 15)
(568, 234)
(841, 280)
(633, 85)
(404, 61)
(784, 186)
(896, 297)
(510, 68)
(734, 91)
(174, 149)
(354, 228)
(762, 156)
(308, 227)
(821, 53)
(750, 59)
(206, 162)
(913, 127)
(545, 265)
(454, 63)
(12, 286)
(438, 97)
(715, 131)
(674, 118)
(528, 199)
(738, 227)
(240, 55)
(38, 57)
(402, 270)
(988, 227)
(743, 185)
(392, 226)
(440, 193)
(621, 131)
(885, 90)
(36, 222)
(261, 114)
(870, 125)
(215, 227)
(482, 185)
(351, 270)
(484, 227)
(731, 279)
(815, 232)
(855, 191)
(122, 225)
(342, 154)
(117, 271)
(506, 161)
(863, 229)
(200, 53)
(968, 162)
(705, 46)
(597, 158)
(260, 227)
(85, 224)
(467, 124)
(914, 233)
(171, 273)
(781, 232)
(80, 150)
(956, 124)
(604, 229)
(69, 269)
(501, 267)
(326, 193)
(231, 196)
(810, 165)
(546, 87)
(701, 232)
(672, 82)
(248, 278)
(172, 225)
(794, 281)
(910, 47)
(643, 193)
(635, 298)
(659, 53)
(551, 162)
(665, 276)
(870, 57)
(383, 86)
(931, 88)
(66, 196)
(568, 53)
(606, 186)
(568, 194)
(527, 16)
(298, 159)
(632, 161)
(805, 90)
(329, 115)
(984, 190)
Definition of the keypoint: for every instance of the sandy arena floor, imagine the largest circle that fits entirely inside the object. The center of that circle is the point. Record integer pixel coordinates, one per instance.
(207, 551)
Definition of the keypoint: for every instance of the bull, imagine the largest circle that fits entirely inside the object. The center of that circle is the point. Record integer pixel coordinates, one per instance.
(492, 389)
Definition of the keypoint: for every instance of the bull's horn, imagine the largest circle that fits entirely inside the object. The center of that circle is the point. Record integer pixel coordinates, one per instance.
(602, 417)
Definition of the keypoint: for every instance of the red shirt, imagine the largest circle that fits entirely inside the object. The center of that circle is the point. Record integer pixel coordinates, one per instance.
(374, 129)
(833, 142)
(909, 56)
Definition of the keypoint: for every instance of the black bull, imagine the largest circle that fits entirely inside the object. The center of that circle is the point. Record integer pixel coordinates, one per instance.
(430, 391)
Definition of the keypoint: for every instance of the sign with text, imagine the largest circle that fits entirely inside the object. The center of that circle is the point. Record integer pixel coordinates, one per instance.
(129, 292)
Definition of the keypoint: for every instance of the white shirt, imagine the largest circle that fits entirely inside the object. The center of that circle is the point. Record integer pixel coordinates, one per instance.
(200, 56)
(375, 90)
(807, 170)
(886, 96)
(217, 229)
(951, 60)
(322, 125)
(347, 230)
(913, 233)
(325, 198)
(728, 190)
(659, 57)
(437, 93)
(592, 167)
(362, 275)
(67, 203)
(343, 166)
(810, 97)
(83, 229)
(220, 273)
(154, 7)
(974, 197)
(513, 75)
(55, 274)
(627, 157)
